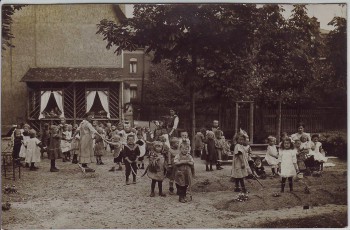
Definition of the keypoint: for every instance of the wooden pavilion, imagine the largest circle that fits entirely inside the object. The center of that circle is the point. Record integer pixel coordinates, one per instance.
(54, 93)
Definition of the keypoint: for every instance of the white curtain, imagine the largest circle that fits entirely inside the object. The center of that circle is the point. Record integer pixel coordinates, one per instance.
(90, 98)
(127, 95)
(104, 101)
(45, 96)
(59, 100)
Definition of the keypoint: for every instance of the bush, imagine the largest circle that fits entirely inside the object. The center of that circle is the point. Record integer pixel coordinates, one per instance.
(335, 143)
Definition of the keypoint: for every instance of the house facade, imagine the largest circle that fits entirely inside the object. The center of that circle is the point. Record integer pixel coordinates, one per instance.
(60, 67)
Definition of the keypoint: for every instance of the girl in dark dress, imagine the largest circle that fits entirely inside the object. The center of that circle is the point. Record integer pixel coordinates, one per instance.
(17, 143)
(54, 149)
(45, 138)
(210, 151)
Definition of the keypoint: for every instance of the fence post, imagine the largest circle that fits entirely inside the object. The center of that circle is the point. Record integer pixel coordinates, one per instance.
(279, 120)
(251, 121)
(236, 119)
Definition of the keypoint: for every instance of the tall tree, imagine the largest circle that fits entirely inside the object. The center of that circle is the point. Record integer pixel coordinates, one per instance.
(304, 56)
(337, 57)
(163, 88)
(7, 12)
(271, 60)
(184, 34)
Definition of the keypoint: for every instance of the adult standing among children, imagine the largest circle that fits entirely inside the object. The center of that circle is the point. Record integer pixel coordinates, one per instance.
(86, 153)
(301, 128)
(216, 126)
(173, 124)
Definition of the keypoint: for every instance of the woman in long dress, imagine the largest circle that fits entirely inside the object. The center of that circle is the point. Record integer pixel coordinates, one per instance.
(86, 153)
(297, 135)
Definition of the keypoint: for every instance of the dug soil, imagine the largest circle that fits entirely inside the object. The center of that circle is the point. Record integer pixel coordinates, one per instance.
(68, 199)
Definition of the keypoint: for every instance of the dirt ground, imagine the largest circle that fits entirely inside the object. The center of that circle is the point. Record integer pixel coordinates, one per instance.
(67, 199)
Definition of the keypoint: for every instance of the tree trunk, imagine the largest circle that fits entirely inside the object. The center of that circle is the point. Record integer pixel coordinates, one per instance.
(236, 118)
(193, 117)
(193, 97)
(279, 120)
(219, 111)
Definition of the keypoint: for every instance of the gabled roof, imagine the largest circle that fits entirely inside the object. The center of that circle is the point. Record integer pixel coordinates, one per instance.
(118, 12)
(73, 75)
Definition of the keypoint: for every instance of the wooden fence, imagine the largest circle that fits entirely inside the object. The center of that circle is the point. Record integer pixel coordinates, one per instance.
(265, 119)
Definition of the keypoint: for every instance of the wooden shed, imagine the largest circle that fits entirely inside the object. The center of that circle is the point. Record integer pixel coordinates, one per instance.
(72, 93)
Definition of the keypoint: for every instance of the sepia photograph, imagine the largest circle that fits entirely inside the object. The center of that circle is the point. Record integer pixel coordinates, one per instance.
(173, 115)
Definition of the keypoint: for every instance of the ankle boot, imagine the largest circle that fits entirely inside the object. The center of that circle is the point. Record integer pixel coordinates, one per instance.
(160, 187)
(282, 187)
(290, 186)
(162, 194)
(64, 158)
(112, 169)
(75, 159)
(206, 168)
(218, 167)
(182, 199)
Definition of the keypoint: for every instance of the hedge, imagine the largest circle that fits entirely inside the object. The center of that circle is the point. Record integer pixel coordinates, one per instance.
(335, 143)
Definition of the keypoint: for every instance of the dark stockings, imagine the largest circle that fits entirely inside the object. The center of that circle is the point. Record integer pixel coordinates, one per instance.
(240, 181)
(53, 164)
(273, 171)
(283, 183)
(160, 186)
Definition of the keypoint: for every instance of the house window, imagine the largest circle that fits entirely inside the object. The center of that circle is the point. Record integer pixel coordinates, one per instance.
(51, 104)
(97, 103)
(133, 91)
(133, 65)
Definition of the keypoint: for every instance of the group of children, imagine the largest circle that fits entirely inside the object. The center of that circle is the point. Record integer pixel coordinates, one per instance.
(292, 156)
(167, 157)
(310, 154)
(25, 146)
(170, 157)
(55, 140)
(212, 147)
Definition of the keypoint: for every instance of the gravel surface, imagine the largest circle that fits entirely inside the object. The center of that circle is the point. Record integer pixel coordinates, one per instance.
(68, 199)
